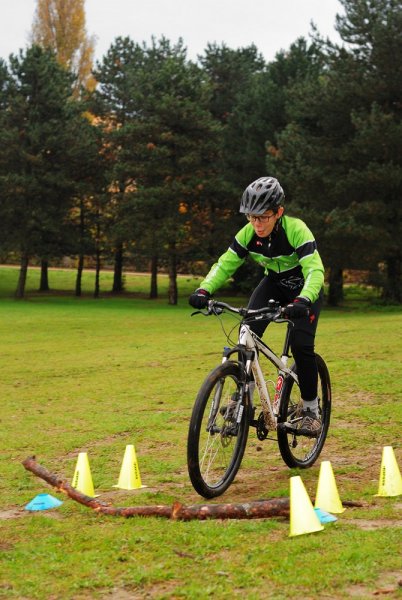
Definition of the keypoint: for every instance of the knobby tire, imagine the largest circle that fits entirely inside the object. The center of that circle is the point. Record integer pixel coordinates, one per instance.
(296, 450)
(216, 445)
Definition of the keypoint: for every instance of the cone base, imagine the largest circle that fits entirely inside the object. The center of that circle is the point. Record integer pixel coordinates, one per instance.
(324, 516)
(122, 487)
(336, 510)
(307, 532)
(86, 493)
(43, 502)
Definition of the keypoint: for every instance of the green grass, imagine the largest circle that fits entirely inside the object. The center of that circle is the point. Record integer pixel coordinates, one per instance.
(85, 375)
(62, 281)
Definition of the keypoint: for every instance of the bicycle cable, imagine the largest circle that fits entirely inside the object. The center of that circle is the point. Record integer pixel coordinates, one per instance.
(229, 333)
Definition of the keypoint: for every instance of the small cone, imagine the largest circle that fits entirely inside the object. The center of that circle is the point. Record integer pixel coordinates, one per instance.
(129, 478)
(43, 502)
(303, 518)
(390, 476)
(82, 479)
(327, 497)
(324, 516)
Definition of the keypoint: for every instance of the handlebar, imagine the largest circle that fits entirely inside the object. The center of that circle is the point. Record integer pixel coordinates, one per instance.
(272, 312)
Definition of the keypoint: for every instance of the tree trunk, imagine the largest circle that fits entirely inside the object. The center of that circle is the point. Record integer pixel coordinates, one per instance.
(20, 291)
(78, 280)
(97, 274)
(44, 276)
(392, 291)
(80, 267)
(97, 254)
(118, 283)
(172, 292)
(335, 291)
(154, 278)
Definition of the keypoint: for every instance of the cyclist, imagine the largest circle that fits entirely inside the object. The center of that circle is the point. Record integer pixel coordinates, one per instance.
(293, 275)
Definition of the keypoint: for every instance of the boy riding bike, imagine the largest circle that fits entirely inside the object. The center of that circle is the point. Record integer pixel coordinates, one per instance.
(293, 275)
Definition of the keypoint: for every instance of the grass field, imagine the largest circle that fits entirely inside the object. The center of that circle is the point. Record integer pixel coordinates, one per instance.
(85, 375)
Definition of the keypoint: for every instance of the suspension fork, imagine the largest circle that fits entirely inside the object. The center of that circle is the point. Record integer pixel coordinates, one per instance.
(244, 358)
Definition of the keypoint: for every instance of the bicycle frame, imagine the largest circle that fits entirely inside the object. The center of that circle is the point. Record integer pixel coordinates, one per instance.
(250, 345)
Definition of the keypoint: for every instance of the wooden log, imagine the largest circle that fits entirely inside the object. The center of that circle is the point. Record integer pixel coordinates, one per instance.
(259, 509)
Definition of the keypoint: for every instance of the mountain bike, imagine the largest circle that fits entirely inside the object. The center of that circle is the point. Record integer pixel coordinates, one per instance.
(226, 406)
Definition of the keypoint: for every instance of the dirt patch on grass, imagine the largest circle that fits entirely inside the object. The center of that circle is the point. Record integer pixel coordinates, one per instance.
(164, 589)
(18, 513)
(107, 441)
(370, 525)
(388, 586)
(12, 513)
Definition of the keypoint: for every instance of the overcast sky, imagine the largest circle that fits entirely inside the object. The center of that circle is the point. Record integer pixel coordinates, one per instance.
(271, 25)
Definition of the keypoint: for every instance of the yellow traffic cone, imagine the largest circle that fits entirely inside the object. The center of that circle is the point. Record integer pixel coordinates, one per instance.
(327, 497)
(129, 478)
(82, 479)
(390, 476)
(303, 518)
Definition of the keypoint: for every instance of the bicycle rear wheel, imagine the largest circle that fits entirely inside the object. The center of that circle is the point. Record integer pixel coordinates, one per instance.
(218, 431)
(298, 450)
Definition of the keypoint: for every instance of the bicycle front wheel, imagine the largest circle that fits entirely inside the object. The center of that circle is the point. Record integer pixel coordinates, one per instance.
(298, 450)
(218, 431)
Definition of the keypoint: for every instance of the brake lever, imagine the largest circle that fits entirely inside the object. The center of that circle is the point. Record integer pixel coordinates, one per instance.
(282, 319)
(208, 312)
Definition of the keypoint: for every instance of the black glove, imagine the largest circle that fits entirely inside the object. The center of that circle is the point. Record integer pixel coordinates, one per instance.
(199, 299)
(300, 307)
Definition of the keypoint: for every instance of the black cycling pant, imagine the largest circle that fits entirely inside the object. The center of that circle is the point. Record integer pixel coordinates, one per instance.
(302, 335)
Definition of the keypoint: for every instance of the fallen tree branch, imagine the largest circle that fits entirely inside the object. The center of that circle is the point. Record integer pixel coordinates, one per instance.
(354, 503)
(260, 509)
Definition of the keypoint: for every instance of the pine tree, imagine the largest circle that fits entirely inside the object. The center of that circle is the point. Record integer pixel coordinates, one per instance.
(36, 181)
(339, 155)
(165, 141)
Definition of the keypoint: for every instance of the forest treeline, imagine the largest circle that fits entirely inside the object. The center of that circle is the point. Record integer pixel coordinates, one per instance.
(147, 167)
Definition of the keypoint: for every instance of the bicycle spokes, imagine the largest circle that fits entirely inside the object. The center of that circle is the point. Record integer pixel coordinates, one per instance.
(218, 431)
(299, 449)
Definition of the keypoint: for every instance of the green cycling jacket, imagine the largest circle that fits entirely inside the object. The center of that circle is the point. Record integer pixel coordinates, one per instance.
(289, 254)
